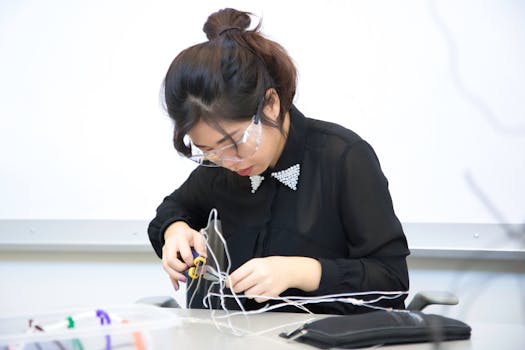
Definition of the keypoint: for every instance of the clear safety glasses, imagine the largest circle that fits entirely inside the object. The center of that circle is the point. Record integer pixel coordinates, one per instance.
(235, 152)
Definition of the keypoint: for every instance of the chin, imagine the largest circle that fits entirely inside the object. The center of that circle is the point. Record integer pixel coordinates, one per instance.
(258, 170)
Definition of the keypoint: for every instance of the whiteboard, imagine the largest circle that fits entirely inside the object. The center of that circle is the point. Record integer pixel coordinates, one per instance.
(435, 86)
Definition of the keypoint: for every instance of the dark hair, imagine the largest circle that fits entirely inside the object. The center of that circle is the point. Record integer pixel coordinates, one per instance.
(227, 77)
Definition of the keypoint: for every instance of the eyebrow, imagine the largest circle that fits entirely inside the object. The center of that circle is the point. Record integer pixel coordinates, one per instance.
(227, 136)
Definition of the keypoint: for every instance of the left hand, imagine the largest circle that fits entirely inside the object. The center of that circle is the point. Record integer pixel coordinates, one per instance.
(272, 275)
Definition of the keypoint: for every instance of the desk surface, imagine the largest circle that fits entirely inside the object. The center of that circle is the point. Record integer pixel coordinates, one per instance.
(197, 331)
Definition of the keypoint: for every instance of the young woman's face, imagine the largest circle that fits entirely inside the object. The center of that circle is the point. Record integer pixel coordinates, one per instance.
(269, 150)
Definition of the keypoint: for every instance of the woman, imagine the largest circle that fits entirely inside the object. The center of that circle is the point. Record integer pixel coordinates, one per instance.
(304, 206)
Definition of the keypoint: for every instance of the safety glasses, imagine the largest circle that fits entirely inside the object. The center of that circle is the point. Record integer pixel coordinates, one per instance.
(238, 151)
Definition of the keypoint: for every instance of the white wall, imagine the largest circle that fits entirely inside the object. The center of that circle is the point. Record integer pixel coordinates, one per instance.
(489, 291)
(38, 282)
(435, 86)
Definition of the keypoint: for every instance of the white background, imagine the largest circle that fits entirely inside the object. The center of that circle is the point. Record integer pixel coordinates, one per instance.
(434, 86)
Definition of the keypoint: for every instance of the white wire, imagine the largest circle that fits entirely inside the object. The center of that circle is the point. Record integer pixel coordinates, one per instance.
(315, 300)
(324, 298)
(222, 276)
(296, 301)
(213, 217)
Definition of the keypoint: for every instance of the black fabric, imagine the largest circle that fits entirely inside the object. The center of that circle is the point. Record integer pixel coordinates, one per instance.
(379, 328)
(341, 214)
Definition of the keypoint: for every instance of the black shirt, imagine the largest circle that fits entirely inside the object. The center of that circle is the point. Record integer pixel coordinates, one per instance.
(341, 213)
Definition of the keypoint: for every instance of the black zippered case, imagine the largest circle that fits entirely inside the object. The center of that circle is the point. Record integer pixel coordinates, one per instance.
(379, 328)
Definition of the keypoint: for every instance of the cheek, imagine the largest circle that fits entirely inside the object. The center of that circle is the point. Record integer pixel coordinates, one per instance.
(259, 165)
(265, 154)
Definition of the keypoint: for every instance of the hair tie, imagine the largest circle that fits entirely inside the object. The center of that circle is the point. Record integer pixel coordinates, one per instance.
(228, 29)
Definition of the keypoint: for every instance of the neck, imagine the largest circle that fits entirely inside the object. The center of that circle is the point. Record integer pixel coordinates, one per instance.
(282, 140)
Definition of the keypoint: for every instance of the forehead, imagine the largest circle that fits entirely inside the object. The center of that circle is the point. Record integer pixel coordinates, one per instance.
(205, 133)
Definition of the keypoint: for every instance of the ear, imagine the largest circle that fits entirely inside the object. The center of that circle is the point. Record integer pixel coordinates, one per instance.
(272, 105)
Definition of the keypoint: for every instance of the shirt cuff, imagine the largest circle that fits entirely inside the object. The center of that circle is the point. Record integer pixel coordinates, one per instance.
(331, 277)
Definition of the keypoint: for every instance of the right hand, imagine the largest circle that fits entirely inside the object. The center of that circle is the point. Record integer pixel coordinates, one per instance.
(179, 239)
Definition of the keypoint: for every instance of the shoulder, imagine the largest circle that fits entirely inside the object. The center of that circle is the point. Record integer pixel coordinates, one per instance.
(335, 143)
(334, 137)
(341, 152)
(332, 130)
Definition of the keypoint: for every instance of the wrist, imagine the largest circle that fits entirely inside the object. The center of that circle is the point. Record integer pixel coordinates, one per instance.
(175, 227)
(306, 273)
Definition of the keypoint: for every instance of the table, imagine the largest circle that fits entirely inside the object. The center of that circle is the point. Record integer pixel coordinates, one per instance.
(196, 330)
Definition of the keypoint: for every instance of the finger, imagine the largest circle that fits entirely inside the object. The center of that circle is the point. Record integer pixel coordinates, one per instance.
(241, 273)
(170, 255)
(186, 254)
(199, 244)
(257, 294)
(248, 281)
(245, 284)
(174, 274)
(170, 259)
(176, 264)
(261, 299)
(175, 283)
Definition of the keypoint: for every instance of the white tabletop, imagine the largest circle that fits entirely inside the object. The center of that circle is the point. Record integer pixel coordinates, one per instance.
(197, 330)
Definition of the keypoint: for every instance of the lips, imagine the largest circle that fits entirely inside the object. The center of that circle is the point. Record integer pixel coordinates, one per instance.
(245, 172)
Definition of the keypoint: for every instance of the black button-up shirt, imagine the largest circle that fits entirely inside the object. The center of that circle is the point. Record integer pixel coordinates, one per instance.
(341, 214)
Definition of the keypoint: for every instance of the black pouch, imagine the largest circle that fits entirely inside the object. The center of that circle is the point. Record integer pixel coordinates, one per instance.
(379, 328)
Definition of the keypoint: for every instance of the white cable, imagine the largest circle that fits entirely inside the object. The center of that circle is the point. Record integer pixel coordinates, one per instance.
(296, 301)
(222, 276)
(213, 217)
(315, 300)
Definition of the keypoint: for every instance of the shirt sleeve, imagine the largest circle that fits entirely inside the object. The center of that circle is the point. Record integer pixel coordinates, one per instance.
(376, 243)
(191, 203)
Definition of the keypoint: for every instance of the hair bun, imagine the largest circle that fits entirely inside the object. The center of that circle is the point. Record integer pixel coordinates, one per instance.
(226, 21)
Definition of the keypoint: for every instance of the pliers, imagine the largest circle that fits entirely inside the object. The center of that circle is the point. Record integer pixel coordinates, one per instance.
(200, 269)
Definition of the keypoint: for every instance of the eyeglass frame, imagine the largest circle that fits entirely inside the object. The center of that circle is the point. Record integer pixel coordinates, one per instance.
(204, 157)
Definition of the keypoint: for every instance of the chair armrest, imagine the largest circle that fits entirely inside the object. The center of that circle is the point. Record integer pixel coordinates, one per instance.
(423, 299)
(160, 301)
